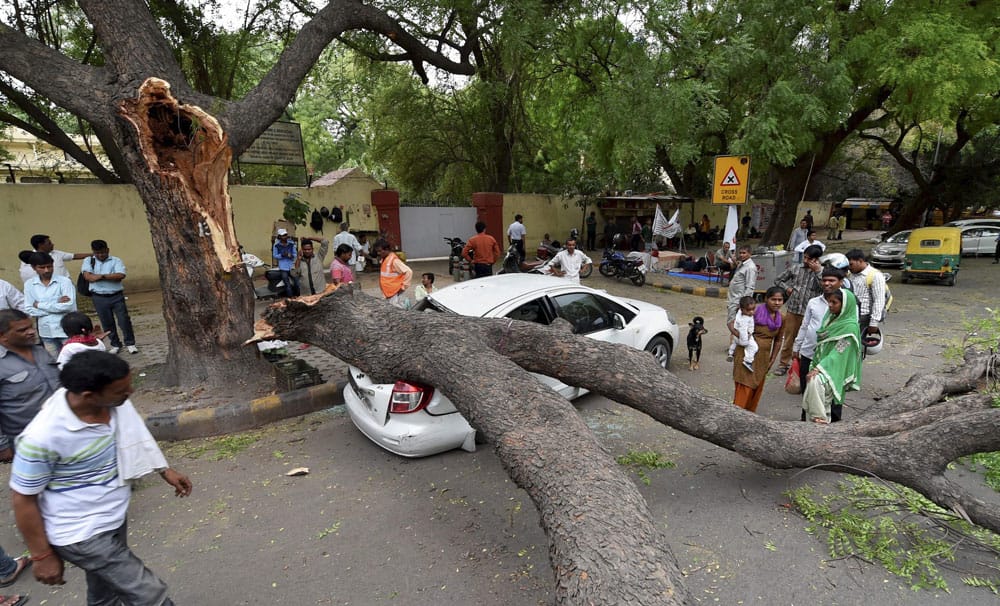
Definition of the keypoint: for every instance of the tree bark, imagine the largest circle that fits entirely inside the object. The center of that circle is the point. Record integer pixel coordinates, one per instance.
(179, 158)
(604, 549)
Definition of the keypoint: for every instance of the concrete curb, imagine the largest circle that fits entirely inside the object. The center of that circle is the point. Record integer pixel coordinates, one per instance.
(204, 422)
(699, 291)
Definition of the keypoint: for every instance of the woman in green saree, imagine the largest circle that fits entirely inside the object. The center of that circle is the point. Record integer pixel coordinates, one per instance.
(836, 365)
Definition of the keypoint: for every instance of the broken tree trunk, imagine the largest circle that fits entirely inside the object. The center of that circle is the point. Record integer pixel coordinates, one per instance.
(604, 548)
(179, 164)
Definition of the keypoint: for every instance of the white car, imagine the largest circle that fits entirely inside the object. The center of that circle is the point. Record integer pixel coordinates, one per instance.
(979, 239)
(892, 251)
(414, 420)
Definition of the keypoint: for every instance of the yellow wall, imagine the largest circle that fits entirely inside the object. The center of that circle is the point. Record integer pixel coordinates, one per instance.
(73, 215)
(542, 213)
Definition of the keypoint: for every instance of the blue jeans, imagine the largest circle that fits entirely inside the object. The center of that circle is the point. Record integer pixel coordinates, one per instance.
(110, 309)
(115, 575)
(53, 345)
(7, 564)
(291, 283)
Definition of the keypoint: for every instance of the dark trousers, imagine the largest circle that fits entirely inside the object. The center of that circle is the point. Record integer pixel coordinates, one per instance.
(110, 309)
(291, 283)
(481, 270)
(115, 575)
(519, 245)
(996, 253)
(592, 240)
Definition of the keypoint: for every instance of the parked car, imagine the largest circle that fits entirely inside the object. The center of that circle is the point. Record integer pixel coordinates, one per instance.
(418, 420)
(968, 222)
(979, 239)
(892, 251)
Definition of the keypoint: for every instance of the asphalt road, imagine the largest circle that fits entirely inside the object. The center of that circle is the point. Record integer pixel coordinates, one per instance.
(367, 527)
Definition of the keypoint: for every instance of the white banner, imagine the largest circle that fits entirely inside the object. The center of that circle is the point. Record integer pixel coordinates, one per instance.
(732, 225)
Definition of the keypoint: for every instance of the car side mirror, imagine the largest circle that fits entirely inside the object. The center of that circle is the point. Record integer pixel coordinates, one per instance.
(619, 321)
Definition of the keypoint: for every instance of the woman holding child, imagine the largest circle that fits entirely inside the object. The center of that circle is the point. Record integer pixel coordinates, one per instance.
(836, 365)
(767, 334)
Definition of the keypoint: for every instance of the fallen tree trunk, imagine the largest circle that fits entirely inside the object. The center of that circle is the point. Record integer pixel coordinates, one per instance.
(604, 547)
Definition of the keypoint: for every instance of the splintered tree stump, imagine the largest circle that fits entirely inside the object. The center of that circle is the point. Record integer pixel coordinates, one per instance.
(181, 159)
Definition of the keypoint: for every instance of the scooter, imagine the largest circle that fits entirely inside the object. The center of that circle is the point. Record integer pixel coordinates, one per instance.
(275, 287)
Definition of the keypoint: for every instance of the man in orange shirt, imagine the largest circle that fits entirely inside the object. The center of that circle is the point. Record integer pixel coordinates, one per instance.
(394, 275)
(482, 250)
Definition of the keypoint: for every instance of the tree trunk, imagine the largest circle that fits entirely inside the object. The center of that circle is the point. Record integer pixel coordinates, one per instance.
(179, 158)
(791, 182)
(604, 548)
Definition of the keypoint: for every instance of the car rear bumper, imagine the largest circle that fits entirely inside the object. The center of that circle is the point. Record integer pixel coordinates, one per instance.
(416, 434)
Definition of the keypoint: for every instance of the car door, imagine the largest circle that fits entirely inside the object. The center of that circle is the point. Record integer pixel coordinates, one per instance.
(988, 240)
(971, 241)
(594, 316)
(540, 311)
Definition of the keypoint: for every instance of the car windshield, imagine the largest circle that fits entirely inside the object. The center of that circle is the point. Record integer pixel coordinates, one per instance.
(899, 238)
(429, 304)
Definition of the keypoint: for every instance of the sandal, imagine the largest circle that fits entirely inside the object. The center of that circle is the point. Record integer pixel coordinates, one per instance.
(780, 371)
(22, 563)
(13, 600)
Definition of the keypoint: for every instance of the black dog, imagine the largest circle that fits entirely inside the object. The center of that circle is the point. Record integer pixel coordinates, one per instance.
(694, 341)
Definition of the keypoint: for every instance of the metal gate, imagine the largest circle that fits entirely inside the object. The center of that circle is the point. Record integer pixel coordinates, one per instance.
(423, 228)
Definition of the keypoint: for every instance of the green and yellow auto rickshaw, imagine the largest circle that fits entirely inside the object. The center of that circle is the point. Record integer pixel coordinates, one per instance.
(933, 253)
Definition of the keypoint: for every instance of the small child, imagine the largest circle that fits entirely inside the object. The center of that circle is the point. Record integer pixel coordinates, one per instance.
(742, 329)
(694, 341)
(426, 286)
(80, 331)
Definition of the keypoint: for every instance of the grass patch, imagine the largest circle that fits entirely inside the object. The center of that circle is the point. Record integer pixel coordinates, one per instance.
(223, 447)
(639, 461)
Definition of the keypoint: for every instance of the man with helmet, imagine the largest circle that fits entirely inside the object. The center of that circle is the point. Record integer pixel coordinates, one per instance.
(869, 286)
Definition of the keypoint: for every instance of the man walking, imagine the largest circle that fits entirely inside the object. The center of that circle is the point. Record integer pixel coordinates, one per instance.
(394, 275)
(38, 377)
(869, 287)
(742, 283)
(70, 482)
(798, 237)
(43, 243)
(568, 262)
(311, 264)
(482, 251)
(105, 273)
(832, 226)
(49, 297)
(516, 233)
(286, 254)
(801, 283)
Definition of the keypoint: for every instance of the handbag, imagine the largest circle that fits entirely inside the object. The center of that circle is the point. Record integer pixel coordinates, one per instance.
(792, 384)
(82, 286)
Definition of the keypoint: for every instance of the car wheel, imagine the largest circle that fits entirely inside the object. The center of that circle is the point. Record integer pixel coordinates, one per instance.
(585, 273)
(606, 269)
(951, 279)
(661, 350)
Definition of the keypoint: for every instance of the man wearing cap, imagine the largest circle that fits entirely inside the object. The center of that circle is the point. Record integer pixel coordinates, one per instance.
(285, 252)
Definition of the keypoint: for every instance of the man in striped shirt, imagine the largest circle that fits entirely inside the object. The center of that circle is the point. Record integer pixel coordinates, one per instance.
(801, 283)
(70, 491)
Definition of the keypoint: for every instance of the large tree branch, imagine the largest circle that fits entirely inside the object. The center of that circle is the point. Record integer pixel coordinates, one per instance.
(532, 431)
(264, 104)
(78, 88)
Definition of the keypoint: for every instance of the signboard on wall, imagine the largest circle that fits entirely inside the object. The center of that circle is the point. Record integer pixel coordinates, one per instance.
(280, 144)
(731, 182)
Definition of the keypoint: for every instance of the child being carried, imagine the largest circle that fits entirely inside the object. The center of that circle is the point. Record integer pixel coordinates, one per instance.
(742, 329)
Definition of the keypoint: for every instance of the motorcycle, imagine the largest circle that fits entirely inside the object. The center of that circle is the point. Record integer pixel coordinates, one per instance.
(616, 264)
(455, 256)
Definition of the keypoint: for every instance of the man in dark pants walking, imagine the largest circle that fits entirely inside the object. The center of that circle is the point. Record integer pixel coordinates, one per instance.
(996, 253)
(105, 274)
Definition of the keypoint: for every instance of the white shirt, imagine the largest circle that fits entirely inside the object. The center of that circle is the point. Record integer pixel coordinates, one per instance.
(59, 259)
(49, 311)
(517, 231)
(346, 237)
(744, 325)
(805, 340)
(56, 437)
(71, 349)
(571, 264)
(11, 297)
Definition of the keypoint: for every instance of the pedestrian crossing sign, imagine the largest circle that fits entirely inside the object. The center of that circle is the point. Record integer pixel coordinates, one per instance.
(730, 184)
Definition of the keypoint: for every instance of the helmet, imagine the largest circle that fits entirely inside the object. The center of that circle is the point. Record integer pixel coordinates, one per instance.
(872, 342)
(838, 260)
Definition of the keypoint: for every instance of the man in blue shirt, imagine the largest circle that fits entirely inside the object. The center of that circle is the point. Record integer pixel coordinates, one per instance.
(286, 254)
(49, 297)
(105, 274)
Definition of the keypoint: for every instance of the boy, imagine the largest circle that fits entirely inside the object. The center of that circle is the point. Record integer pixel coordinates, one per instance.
(742, 329)
(426, 286)
(694, 341)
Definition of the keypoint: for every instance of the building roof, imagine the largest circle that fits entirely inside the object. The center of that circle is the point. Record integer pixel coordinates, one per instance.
(332, 177)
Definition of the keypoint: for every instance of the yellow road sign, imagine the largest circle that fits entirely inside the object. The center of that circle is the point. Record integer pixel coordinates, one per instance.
(731, 182)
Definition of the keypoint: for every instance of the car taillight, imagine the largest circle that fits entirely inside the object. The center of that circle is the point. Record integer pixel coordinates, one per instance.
(408, 397)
